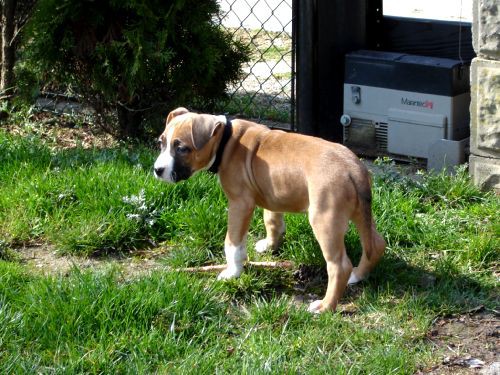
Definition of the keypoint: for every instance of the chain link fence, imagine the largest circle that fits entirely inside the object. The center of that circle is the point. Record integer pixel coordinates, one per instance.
(266, 91)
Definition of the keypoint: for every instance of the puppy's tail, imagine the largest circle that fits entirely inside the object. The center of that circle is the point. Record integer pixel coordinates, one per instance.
(371, 241)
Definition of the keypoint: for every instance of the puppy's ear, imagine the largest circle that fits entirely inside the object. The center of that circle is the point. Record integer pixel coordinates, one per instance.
(176, 112)
(204, 128)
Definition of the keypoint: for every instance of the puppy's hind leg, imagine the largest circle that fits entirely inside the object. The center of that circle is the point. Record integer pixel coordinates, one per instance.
(330, 228)
(372, 243)
(275, 228)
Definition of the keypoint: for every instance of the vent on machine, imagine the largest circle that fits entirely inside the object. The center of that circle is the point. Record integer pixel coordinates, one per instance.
(381, 135)
(367, 135)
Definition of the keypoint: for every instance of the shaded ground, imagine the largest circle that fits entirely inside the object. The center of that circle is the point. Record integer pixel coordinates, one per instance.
(62, 132)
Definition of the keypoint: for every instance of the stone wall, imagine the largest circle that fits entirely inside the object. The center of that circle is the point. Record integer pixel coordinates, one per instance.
(485, 95)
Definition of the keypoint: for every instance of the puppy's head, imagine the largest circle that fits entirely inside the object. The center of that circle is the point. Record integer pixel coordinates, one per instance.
(188, 144)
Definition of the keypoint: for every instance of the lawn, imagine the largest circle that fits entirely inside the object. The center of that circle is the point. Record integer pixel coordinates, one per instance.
(443, 238)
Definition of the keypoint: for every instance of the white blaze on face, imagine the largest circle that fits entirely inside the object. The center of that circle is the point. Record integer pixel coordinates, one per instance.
(164, 165)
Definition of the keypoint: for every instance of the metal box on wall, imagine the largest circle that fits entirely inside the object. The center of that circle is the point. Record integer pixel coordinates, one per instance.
(402, 104)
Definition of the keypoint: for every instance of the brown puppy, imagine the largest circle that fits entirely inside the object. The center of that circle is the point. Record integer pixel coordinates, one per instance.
(281, 172)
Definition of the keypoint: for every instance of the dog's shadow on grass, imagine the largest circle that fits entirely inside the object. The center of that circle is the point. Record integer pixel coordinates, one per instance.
(443, 290)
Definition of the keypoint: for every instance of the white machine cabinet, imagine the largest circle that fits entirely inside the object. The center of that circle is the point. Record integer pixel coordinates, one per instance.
(407, 105)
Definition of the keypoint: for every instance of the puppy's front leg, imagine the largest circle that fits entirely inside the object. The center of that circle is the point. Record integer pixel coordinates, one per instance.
(236, 255)
(239, 215)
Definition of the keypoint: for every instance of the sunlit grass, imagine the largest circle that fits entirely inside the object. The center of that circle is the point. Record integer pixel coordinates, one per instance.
(443, 243)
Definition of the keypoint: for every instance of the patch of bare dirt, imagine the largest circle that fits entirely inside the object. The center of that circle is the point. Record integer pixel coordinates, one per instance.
(45, 259)
(468, 344)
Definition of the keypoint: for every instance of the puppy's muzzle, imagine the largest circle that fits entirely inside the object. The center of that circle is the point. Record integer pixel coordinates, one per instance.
(158, 172)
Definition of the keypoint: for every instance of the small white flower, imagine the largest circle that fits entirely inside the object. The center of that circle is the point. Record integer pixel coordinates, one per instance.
(136, 217)
(136, 200)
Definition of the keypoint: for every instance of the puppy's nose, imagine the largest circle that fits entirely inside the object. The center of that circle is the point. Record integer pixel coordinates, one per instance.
(159, 171)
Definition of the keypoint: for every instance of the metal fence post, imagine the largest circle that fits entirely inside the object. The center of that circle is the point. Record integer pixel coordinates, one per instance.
(305, 69)
(343, 29)
(327, 30)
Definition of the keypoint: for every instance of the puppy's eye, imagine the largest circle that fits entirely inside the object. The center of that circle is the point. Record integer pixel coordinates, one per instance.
(182, 150)
(179, 148)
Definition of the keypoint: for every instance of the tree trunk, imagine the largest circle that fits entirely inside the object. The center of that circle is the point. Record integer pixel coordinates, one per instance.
(8, 47)
(1, 43)
(129, 122)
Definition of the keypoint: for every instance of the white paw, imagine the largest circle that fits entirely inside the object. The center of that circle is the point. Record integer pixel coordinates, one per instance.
(315, 307)
(262, 246)
(230, 273)
(353, 279)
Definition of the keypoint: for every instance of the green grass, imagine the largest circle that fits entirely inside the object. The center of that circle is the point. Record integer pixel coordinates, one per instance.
(275, 53)
(178, 323)
(255, 106)
(443, 242)
(266, 45)
(95, 201)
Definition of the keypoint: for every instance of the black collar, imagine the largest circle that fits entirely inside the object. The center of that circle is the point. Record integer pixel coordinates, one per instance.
(228, 130)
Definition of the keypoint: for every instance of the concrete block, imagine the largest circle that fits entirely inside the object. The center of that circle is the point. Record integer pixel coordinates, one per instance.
(485, 108)
(485, 172)
(446, 154)
(486, 28)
